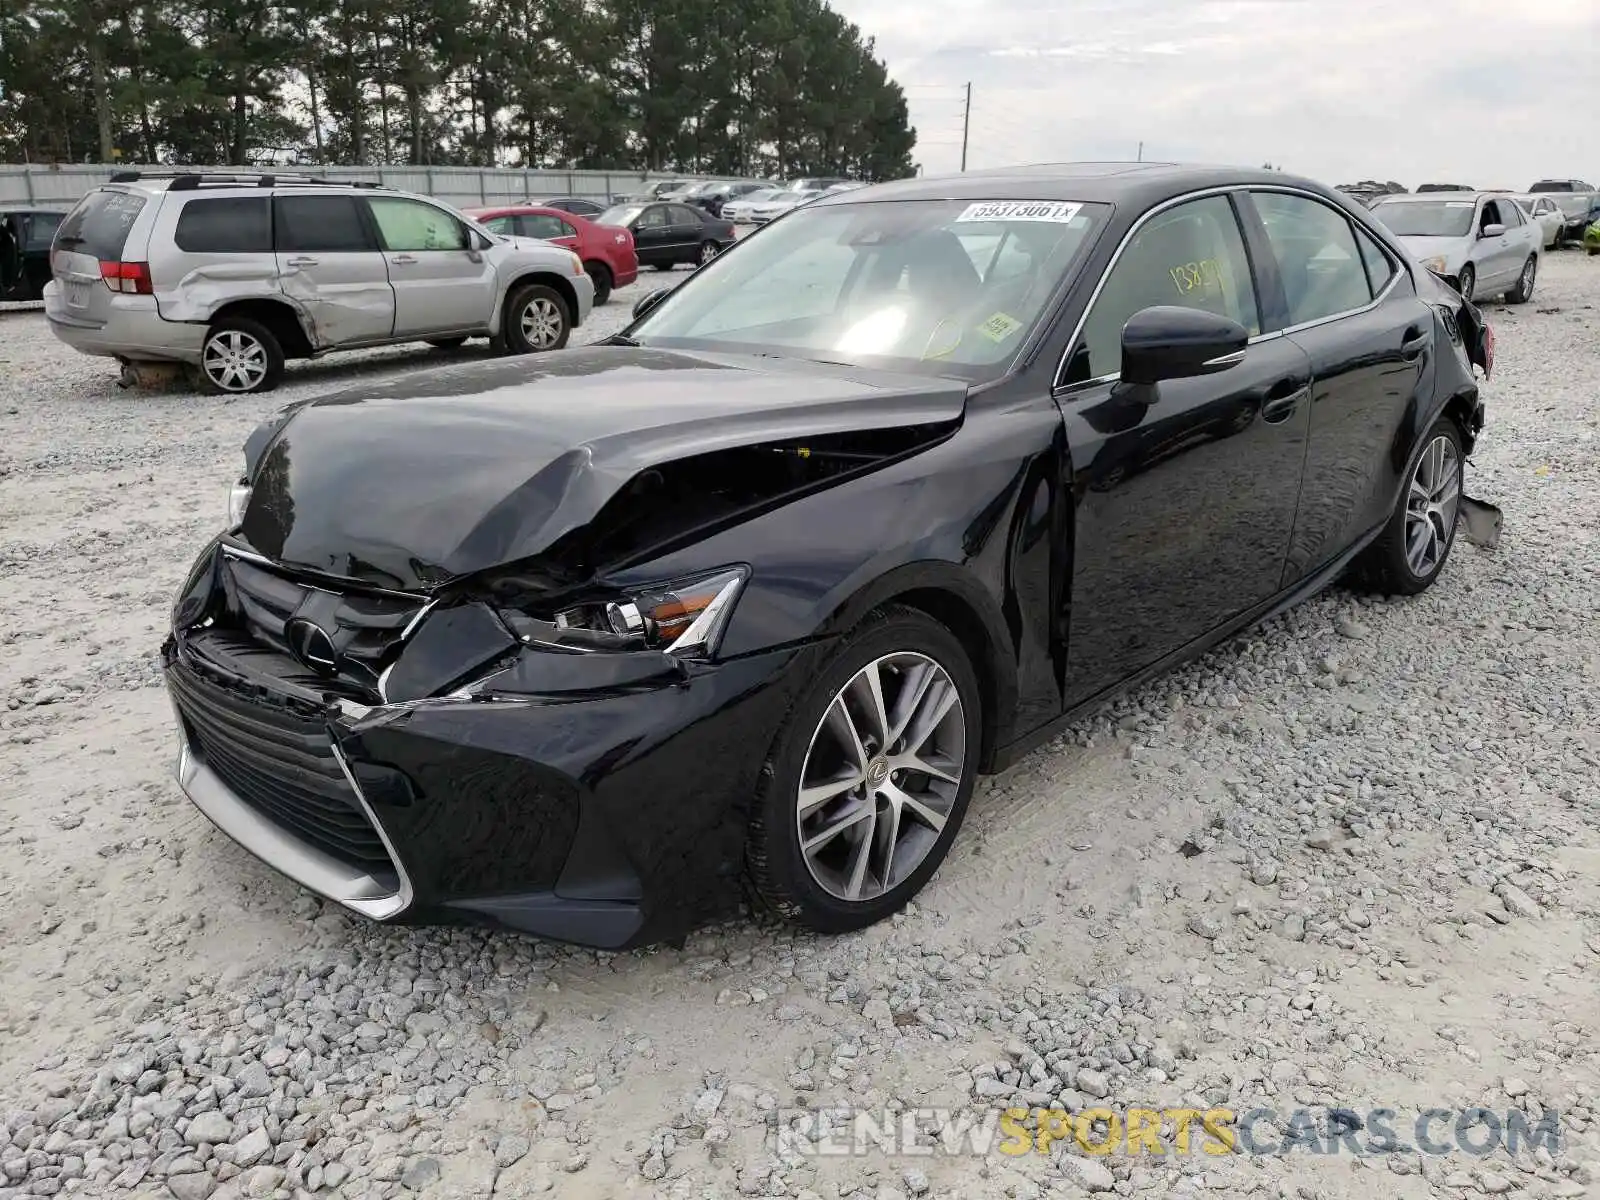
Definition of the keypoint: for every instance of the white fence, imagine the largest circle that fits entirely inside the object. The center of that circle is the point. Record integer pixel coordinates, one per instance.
(61, 185)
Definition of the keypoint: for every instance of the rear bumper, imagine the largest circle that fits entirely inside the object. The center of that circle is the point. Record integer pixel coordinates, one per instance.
(623, 274)
(131, 328)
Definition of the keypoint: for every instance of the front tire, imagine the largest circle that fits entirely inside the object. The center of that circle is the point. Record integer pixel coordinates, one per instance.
(1468, 282)
(238, 357)
(869, 779)
(1414, 545)
(536, 320)
(1523, 292)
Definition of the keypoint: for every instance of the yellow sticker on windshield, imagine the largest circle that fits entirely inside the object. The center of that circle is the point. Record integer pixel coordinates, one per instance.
(999, 327)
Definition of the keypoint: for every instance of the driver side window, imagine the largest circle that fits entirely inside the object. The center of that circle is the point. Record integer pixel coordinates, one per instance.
(1191, 256)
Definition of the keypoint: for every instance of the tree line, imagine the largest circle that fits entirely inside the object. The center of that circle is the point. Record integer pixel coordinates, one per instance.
(747, 87)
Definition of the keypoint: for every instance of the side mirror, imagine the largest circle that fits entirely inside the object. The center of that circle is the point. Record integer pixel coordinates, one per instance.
(1492, 231)
(649, 301)
(1168, 342)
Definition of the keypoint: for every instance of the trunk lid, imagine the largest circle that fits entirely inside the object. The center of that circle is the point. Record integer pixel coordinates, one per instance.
(411, 484)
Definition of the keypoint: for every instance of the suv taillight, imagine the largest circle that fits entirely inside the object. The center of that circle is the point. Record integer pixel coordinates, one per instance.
(127, 277)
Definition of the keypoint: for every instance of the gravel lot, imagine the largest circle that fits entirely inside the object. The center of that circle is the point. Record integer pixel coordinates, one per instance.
(1350, 860)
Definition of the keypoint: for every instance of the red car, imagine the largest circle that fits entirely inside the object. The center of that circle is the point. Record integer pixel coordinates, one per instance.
(607, 251)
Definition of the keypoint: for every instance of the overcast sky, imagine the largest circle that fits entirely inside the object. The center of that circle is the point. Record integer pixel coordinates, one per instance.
(1480, 92)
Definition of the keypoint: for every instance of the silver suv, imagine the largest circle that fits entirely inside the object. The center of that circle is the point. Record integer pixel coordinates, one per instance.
(232, 274)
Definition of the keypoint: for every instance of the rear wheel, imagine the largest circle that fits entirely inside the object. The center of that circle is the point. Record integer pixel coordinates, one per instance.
(870, 776)
(708, 251)
(536, 320)
(1413, 547)
(1468, 282)
(239, 356)
(601, 274)
(1523, 292)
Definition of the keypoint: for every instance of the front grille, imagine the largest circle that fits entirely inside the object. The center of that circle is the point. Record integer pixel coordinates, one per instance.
(365, 627)
(279, 762)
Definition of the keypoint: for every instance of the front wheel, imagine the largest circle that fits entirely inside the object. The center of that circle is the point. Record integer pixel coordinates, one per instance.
(536, 320)
(1523, 292)
(870, 776)
(1468, 282)
(1413, 547)
(239, 356)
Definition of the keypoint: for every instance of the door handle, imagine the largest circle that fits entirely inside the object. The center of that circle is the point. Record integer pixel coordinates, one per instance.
(302, 261)
(1283, 399)
(1416, 342)
(402, 260)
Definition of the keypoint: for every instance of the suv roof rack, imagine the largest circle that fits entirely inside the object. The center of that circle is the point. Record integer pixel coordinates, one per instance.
(191, 181)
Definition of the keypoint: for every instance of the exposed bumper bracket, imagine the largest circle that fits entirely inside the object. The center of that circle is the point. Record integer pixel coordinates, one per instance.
(1480, 522)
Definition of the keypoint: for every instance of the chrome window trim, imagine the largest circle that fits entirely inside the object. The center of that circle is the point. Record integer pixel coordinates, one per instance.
(1057, 387)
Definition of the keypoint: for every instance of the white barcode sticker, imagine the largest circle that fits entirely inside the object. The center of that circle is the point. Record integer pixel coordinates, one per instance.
(1057, 211)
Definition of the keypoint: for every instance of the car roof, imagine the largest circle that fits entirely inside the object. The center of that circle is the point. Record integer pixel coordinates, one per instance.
(478, 212)
(1413, 197)
(1133, 183)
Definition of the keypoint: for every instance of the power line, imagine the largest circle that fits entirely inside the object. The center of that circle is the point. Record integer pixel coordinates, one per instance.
(966, 124)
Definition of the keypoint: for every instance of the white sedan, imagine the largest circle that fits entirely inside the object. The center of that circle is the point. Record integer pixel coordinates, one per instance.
(738, 211)
(775, 206)
(1546, 214)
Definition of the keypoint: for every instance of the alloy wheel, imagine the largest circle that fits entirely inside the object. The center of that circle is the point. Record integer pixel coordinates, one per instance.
(541, 323)
(1525, 284)
(1431, 504)
(881, 776)
(234, 361)
(708, 252)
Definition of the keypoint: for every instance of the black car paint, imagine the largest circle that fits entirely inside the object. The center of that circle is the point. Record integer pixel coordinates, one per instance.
(605, 800)
(678, 240)
(25, 237)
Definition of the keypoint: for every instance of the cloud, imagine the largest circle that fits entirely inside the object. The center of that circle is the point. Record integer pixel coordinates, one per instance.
(1340, 90)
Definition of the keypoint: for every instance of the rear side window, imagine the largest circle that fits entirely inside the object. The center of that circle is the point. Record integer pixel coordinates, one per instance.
(99, 225)
(225, 225)
(1322, 270)
(1380, 268)
(321, 225)
(542, 225)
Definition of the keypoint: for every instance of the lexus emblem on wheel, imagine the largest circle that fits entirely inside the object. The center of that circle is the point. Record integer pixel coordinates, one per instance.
(310, 643)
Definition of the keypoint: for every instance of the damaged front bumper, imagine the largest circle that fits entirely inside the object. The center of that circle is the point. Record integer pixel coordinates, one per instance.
(607, 810)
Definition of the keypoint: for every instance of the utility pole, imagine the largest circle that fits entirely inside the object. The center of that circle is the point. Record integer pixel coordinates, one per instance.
(966, 122)
(1141, 151)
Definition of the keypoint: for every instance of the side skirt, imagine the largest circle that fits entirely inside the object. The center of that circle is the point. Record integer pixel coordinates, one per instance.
(1297, 593)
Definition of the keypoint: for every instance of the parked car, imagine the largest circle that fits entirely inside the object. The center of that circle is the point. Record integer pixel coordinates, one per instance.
(1575, 198)
(1544, 213)
(25, 235)
(738, 211)
(665, 235)
(1444, 187)
(577, 205)
(1591, 237)
(607, 252)
(1480, 242)
(232, 274)
(816, 184)
(743, 601)
(714, 196)
(774, 207)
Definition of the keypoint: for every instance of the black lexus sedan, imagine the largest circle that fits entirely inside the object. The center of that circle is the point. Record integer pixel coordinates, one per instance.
(667, 234)
(594, 645)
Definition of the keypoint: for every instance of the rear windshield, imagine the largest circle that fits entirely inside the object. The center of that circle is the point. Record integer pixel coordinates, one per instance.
(1552, 185)
(99, 225)
(1426, 218)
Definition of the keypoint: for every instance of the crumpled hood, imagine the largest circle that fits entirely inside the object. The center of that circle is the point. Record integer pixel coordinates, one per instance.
(413, 483)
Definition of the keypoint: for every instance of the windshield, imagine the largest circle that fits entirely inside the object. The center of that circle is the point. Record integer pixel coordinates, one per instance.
(936, 287)
(1525, 205)
(1551, 185)
(621, 214)
(782, 197)
(1426, 218)
(757, 197)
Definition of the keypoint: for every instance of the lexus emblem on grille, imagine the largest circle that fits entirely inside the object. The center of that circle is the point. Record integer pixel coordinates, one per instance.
(310, 643)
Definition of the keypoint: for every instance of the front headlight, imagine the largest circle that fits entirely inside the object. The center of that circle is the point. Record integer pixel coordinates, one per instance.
(577, 264)
(685, 616)
(238, 501)
(1436, 264)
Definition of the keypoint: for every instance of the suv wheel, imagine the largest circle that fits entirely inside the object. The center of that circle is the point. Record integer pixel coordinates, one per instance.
(240, 356)
(536, 319)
